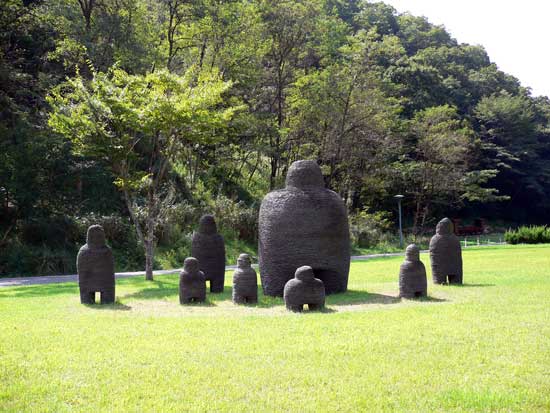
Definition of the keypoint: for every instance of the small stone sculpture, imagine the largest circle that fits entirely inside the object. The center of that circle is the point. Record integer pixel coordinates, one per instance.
(412, 275)
(96, 268)
(446, 254)
(208, 247)
(304, 289)
(192, 282)
(304, 223)
(245, 281)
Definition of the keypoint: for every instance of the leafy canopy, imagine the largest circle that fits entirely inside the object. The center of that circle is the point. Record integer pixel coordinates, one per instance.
(121, 117)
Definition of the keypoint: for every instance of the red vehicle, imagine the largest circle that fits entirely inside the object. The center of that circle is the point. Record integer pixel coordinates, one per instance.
(477, 228)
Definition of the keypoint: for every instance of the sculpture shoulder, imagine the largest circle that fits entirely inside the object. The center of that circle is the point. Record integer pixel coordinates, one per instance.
(292, 283)
(82, 253)
(86, 250)
(434, 241)
(445, 241)
(274, 197)
(187, 277)
(318, 283)
(215, 238)
(334, 196)
(286, 196)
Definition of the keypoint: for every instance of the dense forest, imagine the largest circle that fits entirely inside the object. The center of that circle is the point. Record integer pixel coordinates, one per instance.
(143, 114)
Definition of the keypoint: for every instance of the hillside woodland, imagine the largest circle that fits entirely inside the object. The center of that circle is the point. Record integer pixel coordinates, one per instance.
(141, 115)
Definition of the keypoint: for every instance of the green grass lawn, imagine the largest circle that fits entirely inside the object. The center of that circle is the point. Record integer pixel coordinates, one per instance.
(483, 347)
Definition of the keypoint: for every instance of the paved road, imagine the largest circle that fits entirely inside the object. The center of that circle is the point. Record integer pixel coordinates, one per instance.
(52, 279)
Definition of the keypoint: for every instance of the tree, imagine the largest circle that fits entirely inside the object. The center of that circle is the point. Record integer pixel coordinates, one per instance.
(288, 26)
(437, 172)
(138, 125)
(341, 114)
(513, 142)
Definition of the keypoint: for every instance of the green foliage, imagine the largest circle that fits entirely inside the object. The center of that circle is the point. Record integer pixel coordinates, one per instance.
(117, 107)
(369, 229)
(117, 114)
(528, 235)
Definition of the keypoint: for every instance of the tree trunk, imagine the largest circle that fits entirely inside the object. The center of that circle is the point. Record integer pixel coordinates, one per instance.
(150, 236)
(87, 6)
(149, 258)
(144, 239)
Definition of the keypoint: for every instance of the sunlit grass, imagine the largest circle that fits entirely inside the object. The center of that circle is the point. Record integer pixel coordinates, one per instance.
(481, 347)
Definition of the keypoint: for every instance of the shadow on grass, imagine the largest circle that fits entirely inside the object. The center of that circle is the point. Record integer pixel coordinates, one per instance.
(428, 299)
(264, 301)
(162, 290)
(354, 297)
(468, 285)
(159, 291)
(117, 306)
(357, 297)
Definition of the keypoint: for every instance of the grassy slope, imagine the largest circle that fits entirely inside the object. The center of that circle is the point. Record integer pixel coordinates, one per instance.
(481, 347)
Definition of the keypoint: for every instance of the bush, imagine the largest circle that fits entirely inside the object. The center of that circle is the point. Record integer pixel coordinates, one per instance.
(528, 235)
(55, 232)
(369, 229)
(18, 259)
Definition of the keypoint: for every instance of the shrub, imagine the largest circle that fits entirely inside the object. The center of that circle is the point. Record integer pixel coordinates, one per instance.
(369, 229)
(55, 232)
(528, 235)
(234, 218)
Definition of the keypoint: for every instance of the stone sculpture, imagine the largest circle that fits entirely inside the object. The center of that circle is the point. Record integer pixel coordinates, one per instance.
(304, 289)
(96, 268)
(192, 282)
(304, 223)
(245, 281)
(412, 275)
(446, 254)
(208, 248)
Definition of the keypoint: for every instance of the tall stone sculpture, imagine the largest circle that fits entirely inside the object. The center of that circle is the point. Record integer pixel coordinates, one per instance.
(96, 268)
(446, 254)
(245, 281)
(304, 289)
(412, 275)
(303, 224)
(208, 247)
(192, 282)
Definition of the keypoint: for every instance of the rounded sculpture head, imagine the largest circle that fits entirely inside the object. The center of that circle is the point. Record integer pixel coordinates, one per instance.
(444, 227)
(412, 253)
(244, 261)
(305, 174)
(207, 225)
(191, 265)
(95, 238)
(304, 273)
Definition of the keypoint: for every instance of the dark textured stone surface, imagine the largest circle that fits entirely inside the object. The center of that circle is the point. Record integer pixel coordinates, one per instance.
(304, 289)
(245, 281)
(96, 268)
(446, 254)
(208, 247)
(192, 282)
(412, 275)
(303, 224)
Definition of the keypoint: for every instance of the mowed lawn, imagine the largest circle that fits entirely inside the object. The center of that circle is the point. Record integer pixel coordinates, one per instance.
(482, 347)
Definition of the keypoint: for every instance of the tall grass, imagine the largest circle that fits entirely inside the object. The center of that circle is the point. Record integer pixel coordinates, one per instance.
(528, 235)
